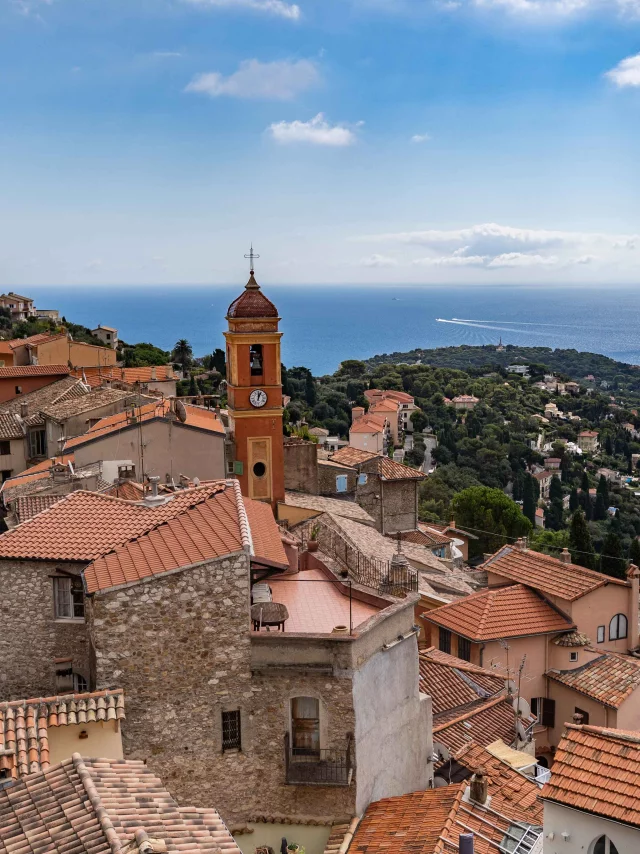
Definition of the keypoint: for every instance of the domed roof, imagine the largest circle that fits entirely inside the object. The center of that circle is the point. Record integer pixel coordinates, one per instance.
(252, 302)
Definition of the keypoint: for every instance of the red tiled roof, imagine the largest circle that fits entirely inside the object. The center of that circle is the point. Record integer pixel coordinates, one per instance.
(252, 303)
(452, 682)
(483, 722)
(547, 574)
(401, 396)
(597, 770)
(210, 529)
(11, 426)
(425, 536)
(29, 506)
(500, 612)
(85, 525)
(34, 340)
(591, 433)
(33, 371)
(24, 724)
(368, 424)
(203, 419)
(37, 472)
(95, 376)
(104, 806)
(609, 679)
(349, 456)
(389, 469)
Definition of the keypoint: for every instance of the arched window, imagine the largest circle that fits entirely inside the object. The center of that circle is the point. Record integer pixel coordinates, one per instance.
(603, 845)
(618, 627)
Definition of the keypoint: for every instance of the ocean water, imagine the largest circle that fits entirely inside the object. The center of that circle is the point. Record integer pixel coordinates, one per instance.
(324, 325)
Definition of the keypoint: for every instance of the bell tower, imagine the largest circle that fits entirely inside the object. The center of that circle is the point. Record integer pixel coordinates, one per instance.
(254, 392)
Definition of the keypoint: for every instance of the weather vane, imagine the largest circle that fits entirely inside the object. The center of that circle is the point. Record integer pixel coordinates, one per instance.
(252, 255)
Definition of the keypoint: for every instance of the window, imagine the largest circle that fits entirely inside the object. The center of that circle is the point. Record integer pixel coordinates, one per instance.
(5, 474)
(68, 597)
(341, 483)
(603, 845)
(305, 726)
(37, 443)
(259, 469)
(444, 644)
(545, 710)
(573, 656)
(600, 634)
(18, 389)
(464, 649)
(255, 360)
(80, 685)
(5, 448)
(231, 731)
(618, 627)
(362, 479)
(584, 715)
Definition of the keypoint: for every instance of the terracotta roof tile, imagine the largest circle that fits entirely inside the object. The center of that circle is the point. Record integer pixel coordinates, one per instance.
(609, 679)
(98, 375)
(574, 638)
(11, 426)
(24, 724)
(55, 392)
(500, 612)
(426, 536)
(452, 682)
(85, 525)
(368, 424)
(482, 722)
(252, 303)
(85, 403)
(28, 506)
(210, 529)
(389, 469)
(349, 456)
(34, 340)
(101, 806)
(546, 573)
(597, 770)
(197, 416)
(33, 371)
(324, 504)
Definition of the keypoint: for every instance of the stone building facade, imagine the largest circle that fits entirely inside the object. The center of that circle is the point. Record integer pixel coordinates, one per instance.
(393, 504)
(35, 644)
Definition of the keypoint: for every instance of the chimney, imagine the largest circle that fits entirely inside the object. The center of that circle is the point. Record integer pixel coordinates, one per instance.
(521, 544)
(154, 374)
(153, 499)
(564, 556)
(578, 718)
(465, 843)
(24, 410)
(356, 412)
(633, 574)
(479, 789)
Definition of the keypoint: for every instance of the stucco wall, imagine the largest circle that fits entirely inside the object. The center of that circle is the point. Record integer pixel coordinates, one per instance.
(169, 449)
(31, 638)
(393, 725)
(597, 608)
(16, 460)
(103, 740)
(584, 829)
(300, 466)
(372, 442)
(77, 425)
(27, 384)
(567, 701)
(61, 351)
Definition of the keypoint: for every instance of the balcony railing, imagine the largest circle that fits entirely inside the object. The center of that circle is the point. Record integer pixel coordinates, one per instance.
(326, 767)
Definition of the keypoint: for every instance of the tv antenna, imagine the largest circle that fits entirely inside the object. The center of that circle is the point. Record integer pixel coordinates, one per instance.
(251, 256)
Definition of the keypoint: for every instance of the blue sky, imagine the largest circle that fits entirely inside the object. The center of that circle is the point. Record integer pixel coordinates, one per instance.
(354, 141)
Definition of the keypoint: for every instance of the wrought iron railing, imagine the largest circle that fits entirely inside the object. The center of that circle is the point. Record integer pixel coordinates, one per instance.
(325, 767)
(372, 572)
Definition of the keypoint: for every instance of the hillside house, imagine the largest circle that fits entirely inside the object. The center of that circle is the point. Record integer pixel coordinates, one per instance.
(107, 334)
(588, 441)
(21, 307)
(406, 403)
(21, 379)
(370, 432)
(60, 349)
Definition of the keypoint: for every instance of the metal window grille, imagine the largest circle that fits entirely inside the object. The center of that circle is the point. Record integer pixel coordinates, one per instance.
(445, 641)
(231, 732)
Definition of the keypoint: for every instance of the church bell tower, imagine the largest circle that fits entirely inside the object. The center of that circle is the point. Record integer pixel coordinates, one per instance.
(254, 392)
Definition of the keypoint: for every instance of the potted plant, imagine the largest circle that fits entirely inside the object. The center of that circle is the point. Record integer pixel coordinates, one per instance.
(293, 848)
(312, 545)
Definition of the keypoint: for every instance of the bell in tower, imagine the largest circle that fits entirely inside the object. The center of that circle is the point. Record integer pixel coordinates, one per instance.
(254, 389)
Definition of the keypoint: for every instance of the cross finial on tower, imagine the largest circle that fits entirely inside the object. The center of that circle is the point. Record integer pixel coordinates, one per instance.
(251, 256)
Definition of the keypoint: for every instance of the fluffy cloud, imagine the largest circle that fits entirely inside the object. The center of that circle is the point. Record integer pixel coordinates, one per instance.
(379, 261)
(454, 260)
(316, 131)
(420, 137)
(254, 79)
(558, 8)
(626, 72)
(272, 7)
(520, 259)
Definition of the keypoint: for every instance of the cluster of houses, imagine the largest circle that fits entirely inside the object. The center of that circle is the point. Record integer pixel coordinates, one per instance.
(218, 639)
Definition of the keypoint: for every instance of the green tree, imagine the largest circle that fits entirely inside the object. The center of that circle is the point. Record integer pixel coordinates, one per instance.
(193, 388)
(529, 498)
(310, 389)
(574, 500)
(182, 353)
(585, 485)
(580, 543)
(218, 361)
(555, 489)
(491, 515)
(599, 508)
(634, 552)
(419, 421)
(603, 489)
(352, 368)
(612, 560)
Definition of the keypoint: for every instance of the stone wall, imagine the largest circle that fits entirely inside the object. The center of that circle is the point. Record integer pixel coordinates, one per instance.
(327, 473)
(31, 638)
(392, 503)
(179, 645)
(301, 466)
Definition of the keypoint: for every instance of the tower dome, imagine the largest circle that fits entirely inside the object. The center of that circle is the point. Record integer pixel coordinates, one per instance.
(252, 302)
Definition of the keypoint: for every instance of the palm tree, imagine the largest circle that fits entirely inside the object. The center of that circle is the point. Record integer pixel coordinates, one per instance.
(182, 353)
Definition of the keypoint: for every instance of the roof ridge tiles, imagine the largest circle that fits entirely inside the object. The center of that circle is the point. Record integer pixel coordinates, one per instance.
(477, 707)
(243, 519)
(96, 802)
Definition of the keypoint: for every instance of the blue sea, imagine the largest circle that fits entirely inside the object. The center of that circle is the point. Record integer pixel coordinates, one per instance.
(323, 325)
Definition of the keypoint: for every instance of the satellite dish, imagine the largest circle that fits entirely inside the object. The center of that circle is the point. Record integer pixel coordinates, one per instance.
(442, 752)
(181, 412)
(439, 782)
(521, 706)
(510, 685)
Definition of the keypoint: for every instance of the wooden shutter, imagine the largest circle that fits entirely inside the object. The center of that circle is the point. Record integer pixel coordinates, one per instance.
(548, 712)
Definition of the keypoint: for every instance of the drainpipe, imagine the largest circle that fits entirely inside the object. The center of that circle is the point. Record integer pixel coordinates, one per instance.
(633, 574)
(383, 532)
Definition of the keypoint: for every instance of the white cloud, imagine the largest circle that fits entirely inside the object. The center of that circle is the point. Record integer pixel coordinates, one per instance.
(316, 131)
(167, 54)
(454, 260)
(420, 137)
(521, 259)
(290, 11)
(254, 79)
(626, 72)
(541, 9)
(379, 261)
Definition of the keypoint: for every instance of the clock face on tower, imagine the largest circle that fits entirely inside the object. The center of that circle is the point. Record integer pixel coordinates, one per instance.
(258, 398)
